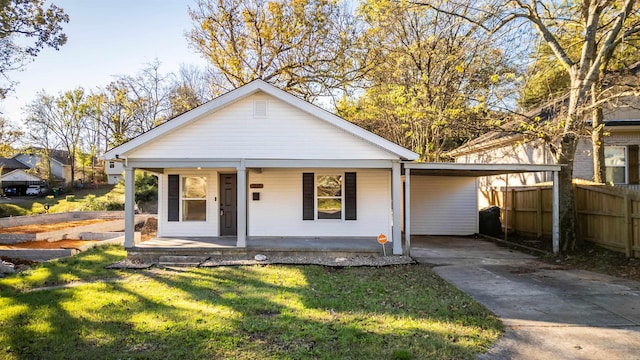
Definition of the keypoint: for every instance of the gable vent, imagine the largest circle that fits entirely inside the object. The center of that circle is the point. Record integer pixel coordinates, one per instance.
(260, 108)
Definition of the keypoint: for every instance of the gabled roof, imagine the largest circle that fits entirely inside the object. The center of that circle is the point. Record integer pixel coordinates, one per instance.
(60, 156)
(245, 91)
(19, 175)
(10, 163)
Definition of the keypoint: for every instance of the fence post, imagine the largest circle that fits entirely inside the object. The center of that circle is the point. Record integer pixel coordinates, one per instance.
(514, 218)
(539, 212)
(628, 233)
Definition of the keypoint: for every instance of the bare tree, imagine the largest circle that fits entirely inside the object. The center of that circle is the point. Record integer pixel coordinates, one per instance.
(61, 118)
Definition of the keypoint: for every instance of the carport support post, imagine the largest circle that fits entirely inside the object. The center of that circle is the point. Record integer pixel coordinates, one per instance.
(396, 187)
(407, 212)
(129, 201)
(555, 213)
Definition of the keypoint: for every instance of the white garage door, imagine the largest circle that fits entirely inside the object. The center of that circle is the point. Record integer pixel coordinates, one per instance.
(444, 205)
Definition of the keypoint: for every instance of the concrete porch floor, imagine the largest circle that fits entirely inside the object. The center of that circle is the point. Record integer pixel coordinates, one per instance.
(157, 249)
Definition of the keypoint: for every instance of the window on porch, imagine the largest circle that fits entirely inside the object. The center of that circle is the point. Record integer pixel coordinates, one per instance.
(187, 196)
(194, 198)
(329, 196)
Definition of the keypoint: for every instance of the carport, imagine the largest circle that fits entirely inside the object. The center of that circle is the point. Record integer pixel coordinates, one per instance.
(445, 197)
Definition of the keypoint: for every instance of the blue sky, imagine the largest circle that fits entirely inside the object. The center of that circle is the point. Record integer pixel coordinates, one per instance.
(106, 38)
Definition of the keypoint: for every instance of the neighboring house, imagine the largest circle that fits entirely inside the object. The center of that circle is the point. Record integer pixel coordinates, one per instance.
(13, 178)
(113, 169)
(16, 182)
(621, 152)
(59, 161)
(258, 162)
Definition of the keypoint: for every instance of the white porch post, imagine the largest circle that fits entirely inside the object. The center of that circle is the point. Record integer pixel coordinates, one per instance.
(242, 206)
(129, 201)
(396, 186)
(407, 212)
(555, 214)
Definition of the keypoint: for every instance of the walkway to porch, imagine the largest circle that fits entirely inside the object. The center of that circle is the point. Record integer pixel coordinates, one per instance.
(157, 249)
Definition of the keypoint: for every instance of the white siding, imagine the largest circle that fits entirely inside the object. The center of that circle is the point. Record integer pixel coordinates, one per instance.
(517, 153)
(442, 205)
(285, 133)
(279, 210)
(189, 228)
(19, 175)
(114, 174)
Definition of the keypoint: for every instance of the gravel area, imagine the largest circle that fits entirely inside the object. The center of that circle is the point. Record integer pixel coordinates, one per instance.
(290, 260)
(315, 260)
(129, 264)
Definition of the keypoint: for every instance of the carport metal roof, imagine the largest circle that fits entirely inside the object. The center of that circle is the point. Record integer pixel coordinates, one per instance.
(475, 170)
(478, 170)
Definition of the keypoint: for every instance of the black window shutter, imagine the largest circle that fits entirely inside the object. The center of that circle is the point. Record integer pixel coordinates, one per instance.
(307, 196)
(350, 204)
(632, 164)
(173, 197)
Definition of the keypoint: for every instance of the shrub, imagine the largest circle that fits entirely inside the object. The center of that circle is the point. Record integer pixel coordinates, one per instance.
(70, 198)
(146, 187)
(7, 210)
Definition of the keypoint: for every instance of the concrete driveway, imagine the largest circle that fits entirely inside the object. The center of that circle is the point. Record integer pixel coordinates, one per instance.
(548, 312)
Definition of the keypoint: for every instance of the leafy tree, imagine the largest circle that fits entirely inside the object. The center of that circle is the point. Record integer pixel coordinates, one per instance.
(114, 109)
(429, 78)
(9, 136)
(146, 187)
(26, 27)
(183, 98)
(305, 47)
(603, 26)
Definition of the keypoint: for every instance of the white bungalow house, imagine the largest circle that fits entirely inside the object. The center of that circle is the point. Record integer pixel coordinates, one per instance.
(260, 163)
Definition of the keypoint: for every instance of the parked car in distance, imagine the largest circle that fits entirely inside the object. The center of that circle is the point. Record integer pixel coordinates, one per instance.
(32, 191)
(10, 191)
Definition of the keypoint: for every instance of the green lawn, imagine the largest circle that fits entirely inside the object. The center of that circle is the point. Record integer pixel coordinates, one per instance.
(248, 312)
(103, 197)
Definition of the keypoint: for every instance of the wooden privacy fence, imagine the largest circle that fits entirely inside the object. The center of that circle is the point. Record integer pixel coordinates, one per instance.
(605, 216)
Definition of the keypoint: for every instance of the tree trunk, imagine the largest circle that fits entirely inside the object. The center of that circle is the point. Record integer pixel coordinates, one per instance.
(568, 237)
(597, 137)
(565, 155)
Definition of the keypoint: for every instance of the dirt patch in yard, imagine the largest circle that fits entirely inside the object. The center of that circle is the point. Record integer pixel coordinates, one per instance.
(589, 257)
(61, 244)
(40, 228)
(148, 229)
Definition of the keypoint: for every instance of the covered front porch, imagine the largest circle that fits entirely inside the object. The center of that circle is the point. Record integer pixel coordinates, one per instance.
(263, 206)
(197, 249)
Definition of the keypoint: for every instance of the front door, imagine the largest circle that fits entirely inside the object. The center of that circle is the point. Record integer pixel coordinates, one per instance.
(228, 205)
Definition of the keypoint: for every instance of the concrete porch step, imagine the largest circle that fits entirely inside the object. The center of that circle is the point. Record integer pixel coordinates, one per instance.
(194, 257)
